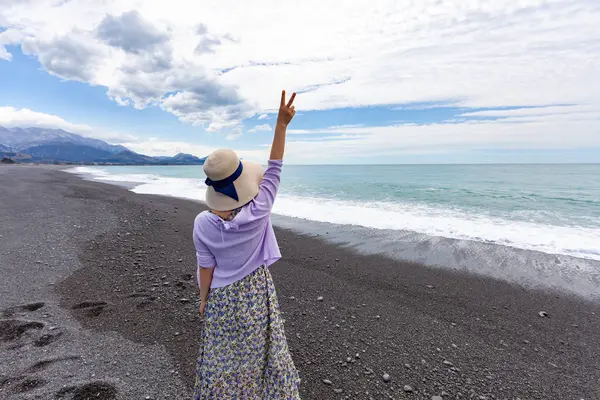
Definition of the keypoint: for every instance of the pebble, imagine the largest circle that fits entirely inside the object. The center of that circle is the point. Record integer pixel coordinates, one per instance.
(180, 260)
(543, 314)
(436, 398)
(446, 362)
(184, 300)
(320, 298)
(338, 391)
(386, 377)
(408, 389)
(327, 382)
(429, 286)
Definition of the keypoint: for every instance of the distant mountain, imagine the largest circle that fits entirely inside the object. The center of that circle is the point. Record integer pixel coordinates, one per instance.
(182, 159)
(57, 146)
(21, 138)
(66, 152)
(127, 157)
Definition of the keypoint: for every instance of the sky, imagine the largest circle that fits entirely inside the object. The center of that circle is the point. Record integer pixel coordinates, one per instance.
(399, 81)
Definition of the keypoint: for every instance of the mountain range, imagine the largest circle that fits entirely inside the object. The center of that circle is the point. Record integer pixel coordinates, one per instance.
(56, 146)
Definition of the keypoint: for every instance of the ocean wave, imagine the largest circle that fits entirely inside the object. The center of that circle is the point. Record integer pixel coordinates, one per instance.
(454, 223)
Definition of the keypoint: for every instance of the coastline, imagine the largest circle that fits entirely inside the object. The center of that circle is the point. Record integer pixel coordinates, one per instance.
(433, 329)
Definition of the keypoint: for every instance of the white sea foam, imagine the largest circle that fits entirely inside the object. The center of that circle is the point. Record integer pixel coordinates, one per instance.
(583, 242)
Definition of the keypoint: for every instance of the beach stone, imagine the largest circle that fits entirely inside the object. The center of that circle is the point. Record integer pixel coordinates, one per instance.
(184, 300)
(448, 363)
(543, 314)
(408, 389)
(338, 391)
(320, 298)
(386, 377)
(327, 382)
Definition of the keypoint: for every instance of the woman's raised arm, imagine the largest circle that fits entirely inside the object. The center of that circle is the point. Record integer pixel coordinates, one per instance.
(286, 113)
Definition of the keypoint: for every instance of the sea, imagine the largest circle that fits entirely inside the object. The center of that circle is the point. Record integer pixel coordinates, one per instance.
(531, 224)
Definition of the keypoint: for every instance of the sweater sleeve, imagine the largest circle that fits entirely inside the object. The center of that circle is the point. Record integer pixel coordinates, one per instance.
(267, 191)
(204, 257)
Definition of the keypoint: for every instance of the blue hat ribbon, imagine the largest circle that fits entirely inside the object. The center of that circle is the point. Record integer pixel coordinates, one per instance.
(226, 186)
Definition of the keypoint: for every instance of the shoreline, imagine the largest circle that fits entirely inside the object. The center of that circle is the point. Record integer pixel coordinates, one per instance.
(533, 269)
(433, 329)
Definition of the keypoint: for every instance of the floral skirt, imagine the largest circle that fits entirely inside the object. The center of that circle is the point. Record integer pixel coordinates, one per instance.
(243, 351)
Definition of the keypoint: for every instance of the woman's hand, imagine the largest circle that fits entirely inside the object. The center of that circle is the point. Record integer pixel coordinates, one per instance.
(286, 111)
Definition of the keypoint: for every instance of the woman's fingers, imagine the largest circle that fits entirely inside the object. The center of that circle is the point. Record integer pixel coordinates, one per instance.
(283, 99)
(289, 104)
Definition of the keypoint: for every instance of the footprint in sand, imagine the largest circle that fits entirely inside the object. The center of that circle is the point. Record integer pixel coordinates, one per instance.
(145, 299)
(91, 308)
(28, 384)
(11, 330)
(10, 312)
(16, 332)
(44, 364)
(46, 339)
(21, 384)
(93, 390)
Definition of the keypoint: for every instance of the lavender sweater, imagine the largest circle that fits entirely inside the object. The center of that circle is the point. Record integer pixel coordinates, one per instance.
(237, 248)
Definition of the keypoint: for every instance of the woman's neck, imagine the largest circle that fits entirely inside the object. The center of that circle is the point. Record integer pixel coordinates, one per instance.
(222, 214)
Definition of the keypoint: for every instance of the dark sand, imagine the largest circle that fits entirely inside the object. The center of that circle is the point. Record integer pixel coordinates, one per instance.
(128, 302)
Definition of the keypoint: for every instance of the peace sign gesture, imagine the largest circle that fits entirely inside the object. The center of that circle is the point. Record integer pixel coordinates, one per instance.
(286, 111)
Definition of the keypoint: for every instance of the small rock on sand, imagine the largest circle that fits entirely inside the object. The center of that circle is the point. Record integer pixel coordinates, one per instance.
(543, 314)
(408, 389)
(327, 381)
(386, 378)
(320, 298)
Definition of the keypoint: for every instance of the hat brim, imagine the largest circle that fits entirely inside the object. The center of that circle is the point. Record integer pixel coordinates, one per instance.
(246, 187)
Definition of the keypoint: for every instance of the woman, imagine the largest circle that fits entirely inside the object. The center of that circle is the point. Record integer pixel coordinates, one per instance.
(243, 351)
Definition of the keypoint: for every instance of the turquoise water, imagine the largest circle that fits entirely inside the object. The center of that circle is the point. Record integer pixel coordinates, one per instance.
(549, 208)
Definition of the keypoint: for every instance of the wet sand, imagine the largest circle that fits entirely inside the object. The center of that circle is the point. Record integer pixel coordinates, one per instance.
(115, 273)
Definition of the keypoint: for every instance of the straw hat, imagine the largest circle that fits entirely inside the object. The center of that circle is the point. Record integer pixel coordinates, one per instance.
(231, 183)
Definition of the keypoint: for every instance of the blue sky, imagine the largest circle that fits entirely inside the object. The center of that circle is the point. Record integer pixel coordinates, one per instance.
(160, 81)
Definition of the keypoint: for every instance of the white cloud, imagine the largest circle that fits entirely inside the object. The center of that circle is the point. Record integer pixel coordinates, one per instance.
(263, 116)
(214, 63)
(11, 117)
(260, 128)
(354, 144)
(156, 147)
(22, 117)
